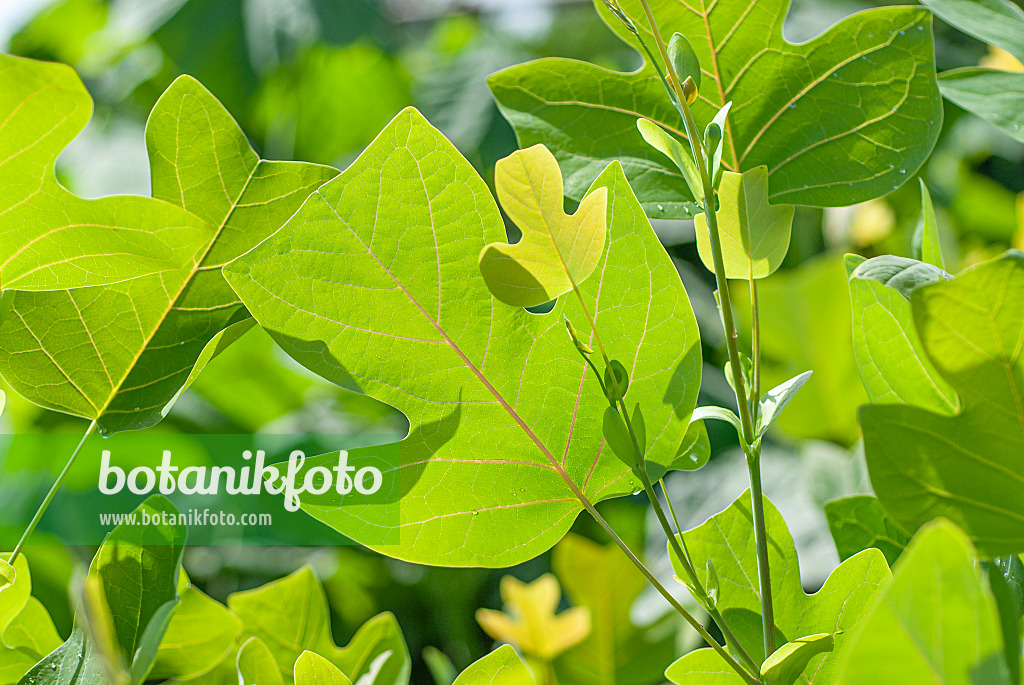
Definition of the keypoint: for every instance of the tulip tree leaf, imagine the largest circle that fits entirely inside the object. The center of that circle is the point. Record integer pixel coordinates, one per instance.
(936, 622)
(995, 96)
(964, 467)
(501, 667)
(557, 251)
(728, 540)
(754, 234)
(999, 22)
(51, 238)
(859, 522)
(839, 119)
(530, 620)
(787, 663)
(201, 634)
(499, 400)
(602, 579)
(27, 633)
(256, 665)
(122, 353)
(892, 363)
(902, 274)
(135, 572)
(313, 669)
(290, 616)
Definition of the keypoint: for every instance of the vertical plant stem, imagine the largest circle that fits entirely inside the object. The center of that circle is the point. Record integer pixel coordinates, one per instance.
(51, 494)
(751, 446)
(755, 317)
(761, 542)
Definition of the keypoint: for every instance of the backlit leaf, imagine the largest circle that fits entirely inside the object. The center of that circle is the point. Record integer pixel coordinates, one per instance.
(964, 467)
(727, 539)
(499, 400)
(556, 251)
(859, 522)
(892, 363)
(51, 238)
(754, 234)
(501, 667)
(936, 623)
(312, 669)
(122, 353)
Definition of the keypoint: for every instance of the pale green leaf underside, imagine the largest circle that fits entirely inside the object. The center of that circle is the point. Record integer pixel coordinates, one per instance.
(374, 285)
(892, 363)
(727, 539)
(995, 96)
(840, 119)
(50, 238)
(999, 22)
(501, 667)
(556, 250)
(966, 467)
(122, 353)
(936, 624)
(754, 234)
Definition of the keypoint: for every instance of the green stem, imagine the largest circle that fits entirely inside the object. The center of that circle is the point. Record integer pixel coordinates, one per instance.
(761, 542)
(50, 495)
(728, 323)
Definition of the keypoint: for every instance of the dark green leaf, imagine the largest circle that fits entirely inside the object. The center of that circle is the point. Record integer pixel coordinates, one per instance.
(859, 522)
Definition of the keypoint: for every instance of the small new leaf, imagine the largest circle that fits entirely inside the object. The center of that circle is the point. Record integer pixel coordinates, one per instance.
(256, 665)
(501, 667)
(577, 340)
(616, 435)
(713, 146)
(712, 585)
(755, 235)
(927, 245)
(788, 662)
(313, 669)
(616, 381)
(900, 273)
(684, 61)
(665, 143)
(7, 574)
(531, 622)
(557, 251)
(720, 414)
(776, 399)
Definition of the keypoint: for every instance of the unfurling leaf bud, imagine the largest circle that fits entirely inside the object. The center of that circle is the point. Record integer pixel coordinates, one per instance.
(689, 90)
(684, 60)
(583, 348)
(613, 7)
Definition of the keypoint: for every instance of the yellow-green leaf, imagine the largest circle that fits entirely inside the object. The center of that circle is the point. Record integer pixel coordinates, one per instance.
(788, 662)
(557, 250)
(531, 622)
(313, 669)
(755, 235)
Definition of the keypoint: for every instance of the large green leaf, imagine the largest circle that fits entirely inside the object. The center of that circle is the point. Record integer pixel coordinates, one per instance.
(995, 96)
(374, 285)
(892, 363)
(840, 119)
(616, 651)
(964, 467)
(728, 540)
(51, 238)
(501, 667)
(936, 624)
(122, 353)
